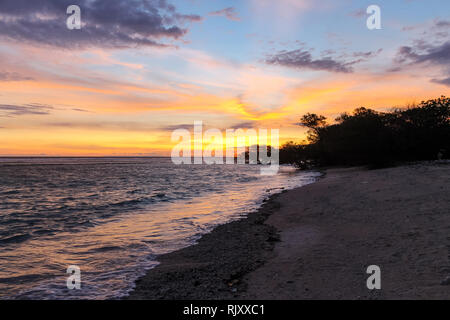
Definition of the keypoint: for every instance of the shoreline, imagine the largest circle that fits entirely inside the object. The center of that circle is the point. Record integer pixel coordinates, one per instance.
(213, 267)
(316, 241)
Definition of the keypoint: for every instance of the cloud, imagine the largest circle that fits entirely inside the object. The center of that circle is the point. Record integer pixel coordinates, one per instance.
(9, 110)
(230, 13)
(105, 23)
(434, 29)
(303, 59)
(13, 76)
(430, 49)
(367, 54)
(190, 127)
(174, 127)
(129, 126)
(243, 125)
(424, 53)
(360, 13)
(445, 81)
(442, 24)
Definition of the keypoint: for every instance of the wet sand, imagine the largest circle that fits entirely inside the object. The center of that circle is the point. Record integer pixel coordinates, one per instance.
(315, 242)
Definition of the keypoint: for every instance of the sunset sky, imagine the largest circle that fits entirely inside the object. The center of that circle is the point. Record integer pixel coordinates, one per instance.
(137, 69)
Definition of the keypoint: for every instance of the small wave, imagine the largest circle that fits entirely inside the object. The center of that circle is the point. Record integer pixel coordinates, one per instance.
(246, 179)
(45, 232)
(15, 239)
(105, 249)
(127, 203)
(7, 193)
(22, 279)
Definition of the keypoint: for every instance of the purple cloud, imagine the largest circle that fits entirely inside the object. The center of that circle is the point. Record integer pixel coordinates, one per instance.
(9, 110)
(303, 59)
(13, 76)
(445, 81)
(230, 13)
(421, 53)
(105, 23)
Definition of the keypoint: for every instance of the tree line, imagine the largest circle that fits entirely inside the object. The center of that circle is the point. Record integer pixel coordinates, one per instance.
(373, 138)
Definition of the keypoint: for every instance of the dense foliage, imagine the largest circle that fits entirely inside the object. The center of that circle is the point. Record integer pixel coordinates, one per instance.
(369, 137)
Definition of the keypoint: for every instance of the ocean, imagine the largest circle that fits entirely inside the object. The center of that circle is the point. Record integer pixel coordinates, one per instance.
(112, 217)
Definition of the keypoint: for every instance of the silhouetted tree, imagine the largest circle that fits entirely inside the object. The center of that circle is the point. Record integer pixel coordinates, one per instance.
(369, 137)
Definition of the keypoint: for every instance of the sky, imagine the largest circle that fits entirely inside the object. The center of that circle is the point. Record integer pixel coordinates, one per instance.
(139, 69)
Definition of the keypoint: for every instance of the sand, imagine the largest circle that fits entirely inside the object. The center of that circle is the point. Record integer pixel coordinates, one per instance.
(316, 242)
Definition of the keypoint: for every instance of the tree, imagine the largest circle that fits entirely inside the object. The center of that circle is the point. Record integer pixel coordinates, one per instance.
(369, 137)
(314, 123)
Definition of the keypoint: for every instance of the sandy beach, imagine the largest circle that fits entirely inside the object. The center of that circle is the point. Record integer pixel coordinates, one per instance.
(315, 242)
